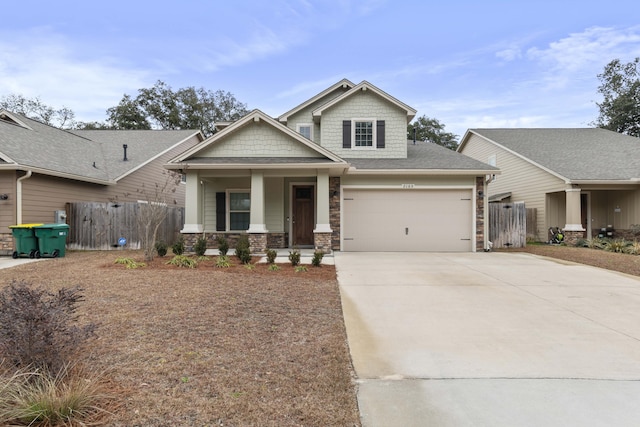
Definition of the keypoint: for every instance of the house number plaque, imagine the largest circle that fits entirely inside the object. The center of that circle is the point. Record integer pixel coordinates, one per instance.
(408, 185)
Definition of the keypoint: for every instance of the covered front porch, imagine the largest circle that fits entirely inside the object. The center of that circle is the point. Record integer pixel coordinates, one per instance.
(275, 208)
(585, 210)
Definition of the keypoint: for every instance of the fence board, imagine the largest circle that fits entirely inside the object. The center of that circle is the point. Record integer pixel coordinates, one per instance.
(508, 225)
(98, 226)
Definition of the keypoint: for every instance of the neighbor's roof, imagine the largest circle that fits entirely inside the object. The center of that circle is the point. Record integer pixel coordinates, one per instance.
(425, 157)
(91, 156)
(579, 154)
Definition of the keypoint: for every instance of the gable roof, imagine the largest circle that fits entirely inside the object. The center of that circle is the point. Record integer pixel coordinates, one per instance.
(425, 158)
(575, 154)
(89, 156)
(364, 86)
(344, 84)
(192, 156)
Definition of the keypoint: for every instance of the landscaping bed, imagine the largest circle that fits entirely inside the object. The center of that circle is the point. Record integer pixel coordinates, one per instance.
(210, 346)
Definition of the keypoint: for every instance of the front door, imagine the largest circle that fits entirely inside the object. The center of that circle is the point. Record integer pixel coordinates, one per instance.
(302, 215)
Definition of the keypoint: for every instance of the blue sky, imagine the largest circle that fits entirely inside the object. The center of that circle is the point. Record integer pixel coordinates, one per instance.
(467, 63)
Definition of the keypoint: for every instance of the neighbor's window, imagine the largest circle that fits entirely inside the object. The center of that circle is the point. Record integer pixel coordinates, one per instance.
(239, 206)
(305, 130)
(363, 133)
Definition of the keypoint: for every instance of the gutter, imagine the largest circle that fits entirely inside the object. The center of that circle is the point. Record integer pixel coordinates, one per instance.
(19, 195)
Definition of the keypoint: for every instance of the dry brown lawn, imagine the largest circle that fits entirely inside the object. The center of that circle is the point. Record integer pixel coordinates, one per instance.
(211, 346)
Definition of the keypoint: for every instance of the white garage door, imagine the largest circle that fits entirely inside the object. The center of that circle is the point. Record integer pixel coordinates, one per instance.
(407, 220)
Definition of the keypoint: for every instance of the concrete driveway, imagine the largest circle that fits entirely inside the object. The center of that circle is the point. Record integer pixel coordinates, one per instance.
(491, 339)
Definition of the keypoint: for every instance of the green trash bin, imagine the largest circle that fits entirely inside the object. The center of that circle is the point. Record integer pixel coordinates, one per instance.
(52, 239)
(25, 239)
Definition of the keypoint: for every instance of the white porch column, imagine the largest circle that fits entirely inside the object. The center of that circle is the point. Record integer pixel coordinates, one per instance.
(193, 219)
(322, 203)
(257, 222)
(573, 220)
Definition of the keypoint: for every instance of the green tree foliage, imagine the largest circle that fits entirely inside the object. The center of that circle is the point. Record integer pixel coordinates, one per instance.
(620, 88)
(431, 130)
(160, 107)
(35, 109)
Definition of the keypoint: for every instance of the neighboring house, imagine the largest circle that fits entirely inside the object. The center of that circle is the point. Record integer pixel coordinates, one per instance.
(42, 168)
(581, 180)
(334, 173)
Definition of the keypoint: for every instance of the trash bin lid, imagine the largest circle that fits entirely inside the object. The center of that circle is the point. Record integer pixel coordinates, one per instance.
(26, 225)
(50, 226)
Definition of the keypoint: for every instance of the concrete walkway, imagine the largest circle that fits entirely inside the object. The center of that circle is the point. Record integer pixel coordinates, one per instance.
(491, 339)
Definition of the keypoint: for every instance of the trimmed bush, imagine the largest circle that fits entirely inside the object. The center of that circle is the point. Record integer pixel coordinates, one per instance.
(317, 258)
(272, 254)
(223, 245)
(242, 249)
(161, 248)
(294, 257)
(178, 247)
(200, 247)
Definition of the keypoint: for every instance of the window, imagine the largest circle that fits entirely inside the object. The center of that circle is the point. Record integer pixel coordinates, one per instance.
(306, 130)
(492, 160)
(363, 133)
(239, 208)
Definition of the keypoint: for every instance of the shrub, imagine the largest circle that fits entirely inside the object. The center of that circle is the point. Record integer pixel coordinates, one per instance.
(39, 328)
(618, 245)
(38, 398)
(178, 247)
(161, 248)
(317, 258)
(223, 245)
(294, 257)
(633, 248)
(596, 243)
(300, 268)
(129, 262)
(242, 249)
(183, 261)
(271, 255)
(200, 247)
(223, 262)
(274, 267)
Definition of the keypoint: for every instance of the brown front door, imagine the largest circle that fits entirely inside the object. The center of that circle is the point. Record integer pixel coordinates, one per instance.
(302, 215)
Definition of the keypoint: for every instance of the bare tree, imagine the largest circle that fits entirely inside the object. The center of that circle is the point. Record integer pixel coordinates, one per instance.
(153, 210)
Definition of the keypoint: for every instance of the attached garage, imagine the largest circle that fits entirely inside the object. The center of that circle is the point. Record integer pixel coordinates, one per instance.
(408, 220)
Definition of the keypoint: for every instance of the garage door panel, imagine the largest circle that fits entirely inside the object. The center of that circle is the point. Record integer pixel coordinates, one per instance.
(409, 220)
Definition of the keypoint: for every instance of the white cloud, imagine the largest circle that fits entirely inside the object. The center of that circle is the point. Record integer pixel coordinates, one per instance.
(42, 64)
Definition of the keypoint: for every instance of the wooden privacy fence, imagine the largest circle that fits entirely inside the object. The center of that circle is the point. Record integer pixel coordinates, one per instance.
(508, 225)
(99, 226)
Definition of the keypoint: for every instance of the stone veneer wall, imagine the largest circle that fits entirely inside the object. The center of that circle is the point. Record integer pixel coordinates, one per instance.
(334, 211)
(322, 242)
(6, 244)
(273, 240)
(480, 223)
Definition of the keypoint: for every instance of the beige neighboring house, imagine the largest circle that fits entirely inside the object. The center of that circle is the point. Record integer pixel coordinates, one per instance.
(582, 180)
(42, 168)
(334, 173)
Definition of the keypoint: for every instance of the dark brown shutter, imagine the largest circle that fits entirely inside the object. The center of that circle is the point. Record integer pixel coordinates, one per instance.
(380, 134)
(346, 134)
(221, 212)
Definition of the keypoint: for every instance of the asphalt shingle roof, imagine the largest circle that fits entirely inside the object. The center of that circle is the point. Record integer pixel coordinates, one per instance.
(88, 155)
(576, 154)
(424, 155)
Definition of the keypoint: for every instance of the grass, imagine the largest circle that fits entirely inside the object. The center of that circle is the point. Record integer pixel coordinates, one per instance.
(211, 346)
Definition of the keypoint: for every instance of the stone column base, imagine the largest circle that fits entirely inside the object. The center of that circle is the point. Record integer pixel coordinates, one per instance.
(258, 243)
(571, 237)
(322, 242)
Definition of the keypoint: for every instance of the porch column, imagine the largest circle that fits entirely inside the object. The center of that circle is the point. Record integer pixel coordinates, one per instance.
(193, 218)
(322, 232)
(322, 203)
(256, 216)
(257, 227)
(573, 228)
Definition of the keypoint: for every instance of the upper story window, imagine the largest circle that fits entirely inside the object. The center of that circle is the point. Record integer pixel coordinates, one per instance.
(305, 129)
(363, 134)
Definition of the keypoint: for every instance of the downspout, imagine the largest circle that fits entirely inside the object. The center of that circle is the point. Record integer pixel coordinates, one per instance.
(19, 196)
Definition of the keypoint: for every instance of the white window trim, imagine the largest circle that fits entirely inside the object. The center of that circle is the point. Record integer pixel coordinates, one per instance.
(309, 125)
(492, 160)
(228, 206)
(353, 134)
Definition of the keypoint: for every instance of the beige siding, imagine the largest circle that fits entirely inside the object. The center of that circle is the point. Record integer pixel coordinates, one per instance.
(7, 207)
(366, 105)
(258, 140)
(274, 200)
(526, 182)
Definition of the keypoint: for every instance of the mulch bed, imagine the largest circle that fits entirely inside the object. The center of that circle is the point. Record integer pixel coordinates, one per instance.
(211, 346)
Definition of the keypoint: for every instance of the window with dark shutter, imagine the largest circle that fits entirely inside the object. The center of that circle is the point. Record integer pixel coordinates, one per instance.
(380, 134)
(346, 134)
(221, 212)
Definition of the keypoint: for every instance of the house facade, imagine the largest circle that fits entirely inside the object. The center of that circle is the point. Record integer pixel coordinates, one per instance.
(43, 168)
(582, 180)
(334, 173)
